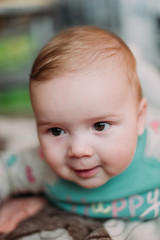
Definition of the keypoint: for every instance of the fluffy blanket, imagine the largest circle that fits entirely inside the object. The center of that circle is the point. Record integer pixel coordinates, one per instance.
(55, 224)
(52, 223)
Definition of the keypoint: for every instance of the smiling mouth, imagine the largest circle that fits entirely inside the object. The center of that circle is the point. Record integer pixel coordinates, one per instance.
(86, 173)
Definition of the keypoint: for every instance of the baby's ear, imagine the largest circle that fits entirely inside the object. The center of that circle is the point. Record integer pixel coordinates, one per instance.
(142, 109)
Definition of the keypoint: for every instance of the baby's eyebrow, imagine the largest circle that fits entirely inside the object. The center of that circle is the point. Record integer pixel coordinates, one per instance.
(103, 117)
(39, 124)
(43, 123)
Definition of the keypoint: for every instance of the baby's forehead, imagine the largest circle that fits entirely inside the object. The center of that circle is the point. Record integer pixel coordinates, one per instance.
(87, 78)
(107, 70)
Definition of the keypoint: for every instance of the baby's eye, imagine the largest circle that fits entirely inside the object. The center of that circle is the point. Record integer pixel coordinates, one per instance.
(57, 131)
(100, 126)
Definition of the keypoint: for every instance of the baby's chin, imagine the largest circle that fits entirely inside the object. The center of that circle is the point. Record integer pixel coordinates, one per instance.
(91, 183)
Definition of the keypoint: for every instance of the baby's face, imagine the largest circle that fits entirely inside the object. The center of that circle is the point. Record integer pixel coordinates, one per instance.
(87, 124)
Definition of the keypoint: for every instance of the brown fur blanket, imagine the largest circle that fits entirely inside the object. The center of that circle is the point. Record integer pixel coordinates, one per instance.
(55, 224)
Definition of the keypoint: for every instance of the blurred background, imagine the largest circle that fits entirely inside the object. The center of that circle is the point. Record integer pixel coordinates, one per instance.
(26, 25)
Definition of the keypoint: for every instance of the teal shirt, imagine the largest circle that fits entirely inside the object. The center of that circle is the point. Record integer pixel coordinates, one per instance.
(134, 194)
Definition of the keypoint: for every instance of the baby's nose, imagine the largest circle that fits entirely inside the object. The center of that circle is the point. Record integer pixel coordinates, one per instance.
(79, 149)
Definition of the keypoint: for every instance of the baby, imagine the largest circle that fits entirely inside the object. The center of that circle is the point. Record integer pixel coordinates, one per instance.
(97, 155)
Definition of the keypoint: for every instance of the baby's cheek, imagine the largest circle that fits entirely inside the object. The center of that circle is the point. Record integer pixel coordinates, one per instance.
(52, 158)
(117, 161)
(124, 159)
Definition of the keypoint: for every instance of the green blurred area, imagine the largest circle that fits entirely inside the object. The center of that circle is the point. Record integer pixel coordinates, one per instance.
(15, 51)
(16, 57)
(15, 101)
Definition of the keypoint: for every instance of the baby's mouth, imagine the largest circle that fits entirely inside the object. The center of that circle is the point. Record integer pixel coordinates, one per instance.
(86, 173)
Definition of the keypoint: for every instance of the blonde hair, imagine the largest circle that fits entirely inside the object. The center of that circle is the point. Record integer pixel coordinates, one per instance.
(78, 48)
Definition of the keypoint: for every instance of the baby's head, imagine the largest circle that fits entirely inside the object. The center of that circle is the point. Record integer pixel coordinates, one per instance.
(88, 105)
(80, 48)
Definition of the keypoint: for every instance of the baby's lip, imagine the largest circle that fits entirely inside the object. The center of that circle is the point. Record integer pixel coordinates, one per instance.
(87, 172)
